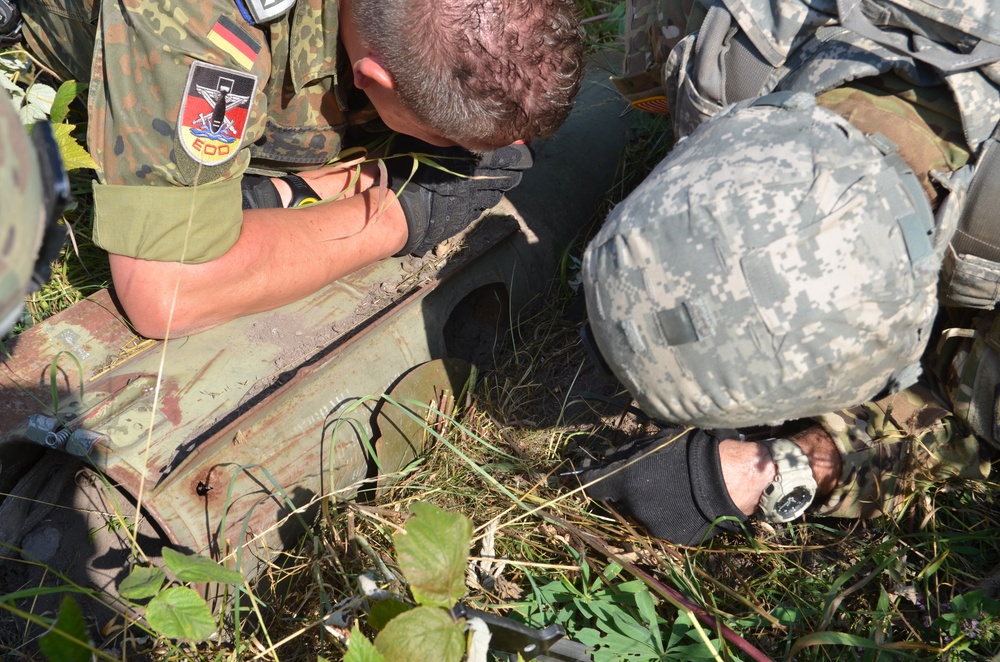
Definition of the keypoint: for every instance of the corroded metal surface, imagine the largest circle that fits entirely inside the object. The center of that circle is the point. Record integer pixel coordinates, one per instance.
(222, 435)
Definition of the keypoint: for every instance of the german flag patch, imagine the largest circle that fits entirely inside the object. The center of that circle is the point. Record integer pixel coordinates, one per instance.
(235, 41)
(214, 112)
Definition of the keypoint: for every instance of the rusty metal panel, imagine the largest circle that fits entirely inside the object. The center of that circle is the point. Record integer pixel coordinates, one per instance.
(223, 433)
(258, 392)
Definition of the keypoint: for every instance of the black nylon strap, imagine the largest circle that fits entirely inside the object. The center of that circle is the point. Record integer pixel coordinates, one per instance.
(302, 193)
(853, 18)
(979, 228)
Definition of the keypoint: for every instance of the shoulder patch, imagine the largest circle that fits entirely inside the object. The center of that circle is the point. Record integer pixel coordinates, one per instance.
(260, 12)
(214, 112)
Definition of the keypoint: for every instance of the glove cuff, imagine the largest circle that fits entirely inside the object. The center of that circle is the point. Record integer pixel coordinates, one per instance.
(259, 192)
(415, 202)
(677, 492)
(708, 486)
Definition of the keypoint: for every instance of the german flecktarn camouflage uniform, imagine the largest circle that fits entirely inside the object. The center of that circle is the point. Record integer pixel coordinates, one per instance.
(182, 96)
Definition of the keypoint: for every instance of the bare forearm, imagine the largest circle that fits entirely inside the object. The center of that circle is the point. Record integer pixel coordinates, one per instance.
(747, 467)
(281, 256)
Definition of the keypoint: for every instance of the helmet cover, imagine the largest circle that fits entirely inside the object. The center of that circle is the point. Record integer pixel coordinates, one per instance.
(777, 264)
(21, 225)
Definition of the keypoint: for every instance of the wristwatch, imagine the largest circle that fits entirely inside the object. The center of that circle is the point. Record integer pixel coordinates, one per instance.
(793, 488)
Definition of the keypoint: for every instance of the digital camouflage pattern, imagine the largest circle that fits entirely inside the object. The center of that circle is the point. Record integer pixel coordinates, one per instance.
(21, 225)
(779, 29)
(142, 57)
(895, 444)
(776, 265)
(652, 29)
(910, 436)
(799, 46)
(967, 364)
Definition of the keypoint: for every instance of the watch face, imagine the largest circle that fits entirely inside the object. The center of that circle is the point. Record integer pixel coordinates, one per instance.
(795, 500)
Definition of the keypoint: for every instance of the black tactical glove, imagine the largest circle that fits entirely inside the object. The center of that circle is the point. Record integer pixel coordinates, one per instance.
(437, 204)
(676, 492)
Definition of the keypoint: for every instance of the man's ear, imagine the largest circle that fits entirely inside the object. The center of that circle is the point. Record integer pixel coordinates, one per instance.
(368, 72)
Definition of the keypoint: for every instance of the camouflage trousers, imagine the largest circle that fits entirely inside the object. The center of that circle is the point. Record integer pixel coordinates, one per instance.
(930, 433)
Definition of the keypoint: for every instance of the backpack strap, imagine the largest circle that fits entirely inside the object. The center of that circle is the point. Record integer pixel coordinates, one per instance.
(979, 226)
(923, 49)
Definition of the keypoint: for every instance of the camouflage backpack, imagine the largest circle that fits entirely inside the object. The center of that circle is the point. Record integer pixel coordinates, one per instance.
(746, 48)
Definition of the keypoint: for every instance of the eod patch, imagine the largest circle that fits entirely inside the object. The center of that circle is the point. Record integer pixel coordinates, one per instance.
(214, 112)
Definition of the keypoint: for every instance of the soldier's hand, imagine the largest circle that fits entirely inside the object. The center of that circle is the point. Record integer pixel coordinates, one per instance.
(672, 483)
(439, 202)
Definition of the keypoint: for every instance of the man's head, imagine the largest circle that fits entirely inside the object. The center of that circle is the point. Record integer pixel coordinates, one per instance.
(34, 187)
(777, 264)
(479, 73)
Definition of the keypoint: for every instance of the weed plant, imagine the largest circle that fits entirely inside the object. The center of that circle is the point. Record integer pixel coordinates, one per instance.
(921, 586)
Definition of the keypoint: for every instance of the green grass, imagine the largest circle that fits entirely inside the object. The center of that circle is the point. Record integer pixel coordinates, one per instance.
(820, 590)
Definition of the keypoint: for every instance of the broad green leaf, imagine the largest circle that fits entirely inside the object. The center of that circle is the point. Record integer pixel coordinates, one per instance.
(14, 61)
(41, 95)
(142, 582)
(67, 641)
(30, 114)
(433, 553)
(362, 650)
(180, 613)
(613, 570)
(647, 609)
(68, 91)
(74, 156)
(195, 568)
(384, 611)
(423, 633)
(788, 615)
(9, 85)
(588, 636)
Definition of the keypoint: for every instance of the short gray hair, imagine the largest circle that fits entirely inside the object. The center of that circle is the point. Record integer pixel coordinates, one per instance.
(479, 71)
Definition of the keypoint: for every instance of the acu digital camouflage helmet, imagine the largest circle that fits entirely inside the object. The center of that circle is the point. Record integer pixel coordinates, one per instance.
(34, 190)
(776, 265)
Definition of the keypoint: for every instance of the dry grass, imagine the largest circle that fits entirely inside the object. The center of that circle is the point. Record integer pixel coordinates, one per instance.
(804, 589)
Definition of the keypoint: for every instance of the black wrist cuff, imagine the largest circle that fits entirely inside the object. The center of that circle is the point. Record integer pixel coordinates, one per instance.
(678, 492)
(259, 192)
(416, 210)
(708, 487)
